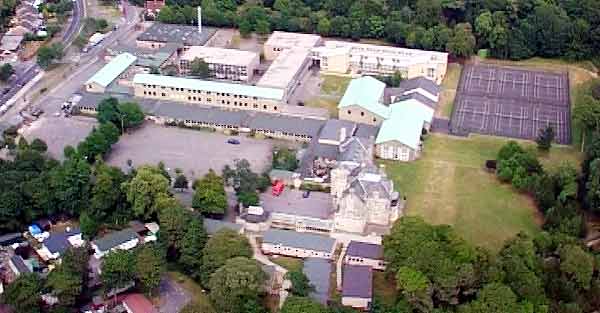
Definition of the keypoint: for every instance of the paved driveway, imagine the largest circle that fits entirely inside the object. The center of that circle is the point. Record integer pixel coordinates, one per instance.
(172, 296)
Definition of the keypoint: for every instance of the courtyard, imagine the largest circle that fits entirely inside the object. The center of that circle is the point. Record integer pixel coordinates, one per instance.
(193, 151)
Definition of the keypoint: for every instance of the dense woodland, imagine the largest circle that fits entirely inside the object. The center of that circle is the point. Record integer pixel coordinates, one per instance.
(510, 29)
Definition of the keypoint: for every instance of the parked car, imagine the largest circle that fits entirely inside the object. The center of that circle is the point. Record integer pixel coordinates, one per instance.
(306, 194)
(232, 141)
(278, 187)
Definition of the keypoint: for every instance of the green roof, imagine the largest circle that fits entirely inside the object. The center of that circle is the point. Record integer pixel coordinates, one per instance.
(206, 85)
(405, 123)
(365, 92)
(113, 69)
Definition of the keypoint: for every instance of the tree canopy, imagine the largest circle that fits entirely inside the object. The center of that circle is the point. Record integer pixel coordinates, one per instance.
(239, 280)
(222, 246)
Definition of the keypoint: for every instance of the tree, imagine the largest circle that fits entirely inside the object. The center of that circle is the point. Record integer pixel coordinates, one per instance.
(181, 182)
(239, 280)
(131, 115)
(222, 246)
(192, 244)
(199, 68)
(415, 287)
(300, 284)
(173, 224)
(494, 298)
(209, 194)
(66, 284)
(262, 27)
(149, 268)
(39, 145)
(6, 71)
(143, 191)
(545, 138)
(89, 226)
(71, 185)
(592, 187)
(462, 43)
(285, 159)
(586, 114)
(23, 295)
(118, 270)
(108, 199)
(46, 55)
(577, 265)
(295, 304)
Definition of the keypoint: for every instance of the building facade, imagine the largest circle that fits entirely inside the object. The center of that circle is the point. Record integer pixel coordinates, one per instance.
(299, 245)
(229, 64)
(226, 95)
(344, 57)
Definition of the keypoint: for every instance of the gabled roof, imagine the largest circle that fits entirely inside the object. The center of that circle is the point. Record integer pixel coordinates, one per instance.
(137, 303)
(114, 239)
(294, 239)
(19, 264)
(357, 281)
(113, 69)
(206, 85)
(365, 250)
(57, 242)
(405, 124)
(365, 92)
(418, 97)
(318, 272)
(420, 82)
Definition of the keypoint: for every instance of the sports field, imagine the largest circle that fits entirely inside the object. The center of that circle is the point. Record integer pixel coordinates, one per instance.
(449, 185)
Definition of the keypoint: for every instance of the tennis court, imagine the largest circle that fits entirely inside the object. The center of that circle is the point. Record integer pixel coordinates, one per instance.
(511, 102)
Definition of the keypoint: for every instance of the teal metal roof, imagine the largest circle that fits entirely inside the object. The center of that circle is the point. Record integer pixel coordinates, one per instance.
(366, 92)
(206, 85)
(405, 123)
(113, 69)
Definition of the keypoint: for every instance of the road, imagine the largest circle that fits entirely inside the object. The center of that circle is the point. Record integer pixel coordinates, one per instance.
(67, 38)
(87, 64)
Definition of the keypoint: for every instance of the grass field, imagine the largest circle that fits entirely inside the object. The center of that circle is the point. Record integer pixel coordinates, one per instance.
(449, 86)
(332, 90)
(291, 264)
(448, 185)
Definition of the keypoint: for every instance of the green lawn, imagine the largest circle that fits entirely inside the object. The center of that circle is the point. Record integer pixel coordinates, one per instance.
(448, 185)
(326, 102)
(334, 85)
(449, 86)
(289, 263)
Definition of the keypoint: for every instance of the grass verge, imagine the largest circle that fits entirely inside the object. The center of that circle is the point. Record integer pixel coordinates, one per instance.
(289, 263)
(449, 86)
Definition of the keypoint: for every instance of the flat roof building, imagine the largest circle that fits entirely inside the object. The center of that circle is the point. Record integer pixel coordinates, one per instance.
(357, 286)
(111, 71)
(302, 245)
(290, 53)
(344, 57)
(160, 34)
(222, 63)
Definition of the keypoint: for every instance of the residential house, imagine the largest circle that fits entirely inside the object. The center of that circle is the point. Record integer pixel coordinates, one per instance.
(58, 243)
(300, 245)
(125, 239)
(357, 286)
(363, 253)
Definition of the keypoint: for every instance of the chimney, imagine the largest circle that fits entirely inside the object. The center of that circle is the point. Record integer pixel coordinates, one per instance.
(199, 19)
(342, 134)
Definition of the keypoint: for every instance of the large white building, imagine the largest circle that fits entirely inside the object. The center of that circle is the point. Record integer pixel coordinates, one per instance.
(290, 56)
(230, 64)
(344, 57)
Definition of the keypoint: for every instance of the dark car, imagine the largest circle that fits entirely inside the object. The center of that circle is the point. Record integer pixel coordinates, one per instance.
(306, 194)
(232, 141)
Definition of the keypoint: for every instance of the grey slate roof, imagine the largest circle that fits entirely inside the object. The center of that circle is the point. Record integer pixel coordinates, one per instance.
(357, 281)
(356, 150)
(212, 226)
(291, 125)
(147, 57)
(365, 250)
(366, 188)
(333, 128)
(19, 263)
(183, 34)
(9, 239)
(294, 239)
(318, 272)
(57, 241)
(366, 131)
(412, 84)
(419, 97)
(114, 239)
